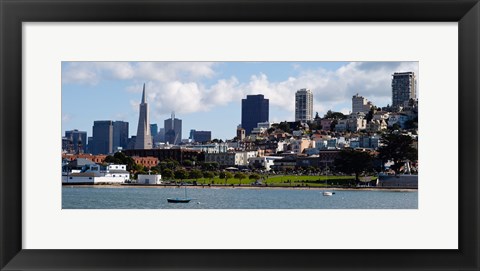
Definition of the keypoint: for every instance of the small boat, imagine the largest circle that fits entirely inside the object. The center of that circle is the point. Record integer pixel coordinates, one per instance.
(328, 193)
(180, 200)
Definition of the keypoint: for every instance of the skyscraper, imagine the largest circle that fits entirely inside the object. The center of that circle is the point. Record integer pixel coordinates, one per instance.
(404, 87)
(102, 137)
(254, 110)
(154, 131)
(78, 140)
(304, 105)
(120, 135)
(144, 138)
(173, 130)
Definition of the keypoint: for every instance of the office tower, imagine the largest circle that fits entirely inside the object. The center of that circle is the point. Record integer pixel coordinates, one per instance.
(120, 135)
(173, 130)
(404, 86)
(161, 135)
(200, 136)
(102, 137)
(304, 105)
(254, 110)
(154, 132)
(144, 138)
(78, 140)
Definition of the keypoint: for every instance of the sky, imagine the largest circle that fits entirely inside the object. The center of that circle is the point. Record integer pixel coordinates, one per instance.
(207, 96)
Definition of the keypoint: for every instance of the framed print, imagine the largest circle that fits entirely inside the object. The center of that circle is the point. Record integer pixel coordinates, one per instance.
(75, 66)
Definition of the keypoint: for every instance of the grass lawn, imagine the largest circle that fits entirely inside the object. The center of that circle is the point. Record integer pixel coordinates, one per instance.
(281, 180)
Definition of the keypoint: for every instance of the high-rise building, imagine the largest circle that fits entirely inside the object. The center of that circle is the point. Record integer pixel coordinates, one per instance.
(102, 137)
(143, 140)
(78, 140)
(173, 130)
(304, 105)
(200, 136)
(154, 131)
(120, 135)
(404, 88)
(360, 104)
(254, 110)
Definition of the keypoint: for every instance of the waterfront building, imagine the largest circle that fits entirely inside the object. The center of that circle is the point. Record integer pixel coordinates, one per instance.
(102, 137)
(77, 141)
(360, 104)
(200, 136)
(149, 179)
(97, 174)
(304, 105)
(404, 86)
(120, 135)
(173, 130)
(255, 109)
(144, 138)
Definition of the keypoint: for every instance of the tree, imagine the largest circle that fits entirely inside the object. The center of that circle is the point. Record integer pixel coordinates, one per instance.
(195, 174)
(397, 148)
(225, 175)
(254, 176)
(240, 176)
(284, 126)
(334, 115)
(354, 162)
(370, 114)
(167, 173)
(181, 174)
(208, 175)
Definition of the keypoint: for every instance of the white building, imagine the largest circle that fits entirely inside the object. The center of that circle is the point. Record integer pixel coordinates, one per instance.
(96, 174)
(231, 158)
(304, 105)
(265, 162)
(149, 179)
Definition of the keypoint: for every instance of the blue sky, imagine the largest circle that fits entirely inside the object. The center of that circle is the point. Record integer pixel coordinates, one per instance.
(207, 95)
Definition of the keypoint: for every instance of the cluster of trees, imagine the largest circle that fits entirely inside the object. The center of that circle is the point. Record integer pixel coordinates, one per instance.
(397, 148)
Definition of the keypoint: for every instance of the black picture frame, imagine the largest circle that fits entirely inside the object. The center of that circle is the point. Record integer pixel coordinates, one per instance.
(14, 12)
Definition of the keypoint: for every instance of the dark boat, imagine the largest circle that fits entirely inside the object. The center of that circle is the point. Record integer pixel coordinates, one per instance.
(180, 200)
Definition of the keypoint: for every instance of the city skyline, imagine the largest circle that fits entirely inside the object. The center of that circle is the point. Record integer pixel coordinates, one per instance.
(207, 96)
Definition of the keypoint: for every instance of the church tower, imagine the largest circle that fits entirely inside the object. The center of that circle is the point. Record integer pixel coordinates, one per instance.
(144, 138)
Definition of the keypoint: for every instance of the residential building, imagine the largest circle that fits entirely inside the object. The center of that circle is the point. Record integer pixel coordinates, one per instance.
(240, 134)
(404, 87)
(264, 162)
(173, 130)
(360, 104)
(143, 140)
(231, 158)
(397, 118)
(299, 145)
(255, 109)
(304, 105)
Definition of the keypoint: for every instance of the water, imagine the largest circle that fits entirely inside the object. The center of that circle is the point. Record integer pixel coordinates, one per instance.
(233, 198)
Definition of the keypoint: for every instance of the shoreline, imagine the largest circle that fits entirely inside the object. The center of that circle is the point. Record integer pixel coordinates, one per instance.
(393, 189)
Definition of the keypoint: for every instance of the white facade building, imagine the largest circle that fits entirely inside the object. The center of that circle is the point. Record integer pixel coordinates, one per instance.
(95, 174)
(149, 179)
(304, 105)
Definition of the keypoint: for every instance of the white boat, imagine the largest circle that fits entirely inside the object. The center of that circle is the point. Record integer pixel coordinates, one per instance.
(328, 193)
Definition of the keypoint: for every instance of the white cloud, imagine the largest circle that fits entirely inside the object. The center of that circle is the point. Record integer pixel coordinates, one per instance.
(181, 86)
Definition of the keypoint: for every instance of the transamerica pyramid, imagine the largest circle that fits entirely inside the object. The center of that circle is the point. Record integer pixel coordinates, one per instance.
(144, 138)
